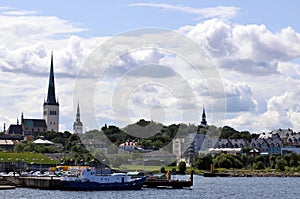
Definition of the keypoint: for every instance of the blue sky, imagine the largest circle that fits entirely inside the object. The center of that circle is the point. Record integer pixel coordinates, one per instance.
(254, 44)
(104, 18)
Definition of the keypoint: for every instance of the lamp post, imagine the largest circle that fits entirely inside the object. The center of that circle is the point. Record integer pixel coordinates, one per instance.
(41, 164)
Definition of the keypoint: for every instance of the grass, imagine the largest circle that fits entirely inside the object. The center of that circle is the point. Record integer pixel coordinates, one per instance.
(156, 169)
(139, 168)
(28, 157)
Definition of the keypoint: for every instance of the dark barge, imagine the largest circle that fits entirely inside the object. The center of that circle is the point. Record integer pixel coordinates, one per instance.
(165, 183)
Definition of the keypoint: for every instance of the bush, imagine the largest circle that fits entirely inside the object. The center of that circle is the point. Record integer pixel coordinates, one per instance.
(280, 165)
(182, 167)
(203, 163)
(259, 165)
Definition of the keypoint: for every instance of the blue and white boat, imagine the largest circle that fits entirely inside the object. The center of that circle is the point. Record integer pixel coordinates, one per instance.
(87, 179)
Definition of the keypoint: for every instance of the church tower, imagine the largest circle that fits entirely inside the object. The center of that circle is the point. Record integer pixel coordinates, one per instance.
(78, 126)
(203, 121)
(51, 106)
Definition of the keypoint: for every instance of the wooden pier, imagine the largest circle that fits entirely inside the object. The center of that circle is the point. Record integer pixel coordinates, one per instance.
(5, 184)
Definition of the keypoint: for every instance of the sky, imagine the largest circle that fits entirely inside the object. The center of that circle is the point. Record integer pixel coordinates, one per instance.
(253, 49)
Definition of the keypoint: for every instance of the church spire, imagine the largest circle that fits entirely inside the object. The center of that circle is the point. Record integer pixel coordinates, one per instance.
(203, 122)
(77, 125)
(78, 113)
(51, 100)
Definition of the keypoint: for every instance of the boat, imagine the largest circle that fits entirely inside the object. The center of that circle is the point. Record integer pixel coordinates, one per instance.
(213, 174)
(87, 180)
(164, 181)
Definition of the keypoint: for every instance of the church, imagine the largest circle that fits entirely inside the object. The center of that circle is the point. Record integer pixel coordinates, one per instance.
(50, 121)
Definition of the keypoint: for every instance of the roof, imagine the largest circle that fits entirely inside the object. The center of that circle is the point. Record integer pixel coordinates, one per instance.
(28, 123)
(41, 141)
(225, 149)
(232, 143)
(8, 142)
(14, 129)
(254, 151)
(93, 142)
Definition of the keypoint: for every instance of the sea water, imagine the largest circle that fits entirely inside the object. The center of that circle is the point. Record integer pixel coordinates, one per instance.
(204, 187)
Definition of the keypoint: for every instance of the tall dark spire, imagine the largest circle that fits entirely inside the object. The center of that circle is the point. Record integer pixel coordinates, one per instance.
(51, 100)
(203, 122)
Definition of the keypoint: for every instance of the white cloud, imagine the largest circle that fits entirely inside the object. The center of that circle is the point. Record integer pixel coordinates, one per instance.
(282, 112)
(224, 12)
(250, 49)
(20, 12)
(18, 31)
(239, 97)
(258, 68)
(289, 69)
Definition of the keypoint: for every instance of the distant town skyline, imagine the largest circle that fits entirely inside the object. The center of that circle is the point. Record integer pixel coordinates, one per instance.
(253, 44)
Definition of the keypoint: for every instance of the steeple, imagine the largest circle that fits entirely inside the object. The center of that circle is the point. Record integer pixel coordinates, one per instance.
(77, 125)
(78, 114)
(51, 100)
(203, 121)
(51, 106)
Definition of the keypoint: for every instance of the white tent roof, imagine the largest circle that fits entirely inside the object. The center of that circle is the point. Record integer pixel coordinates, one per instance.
(41, 141)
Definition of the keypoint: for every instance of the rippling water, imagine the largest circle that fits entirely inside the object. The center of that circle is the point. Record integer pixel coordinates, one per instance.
(241, 187)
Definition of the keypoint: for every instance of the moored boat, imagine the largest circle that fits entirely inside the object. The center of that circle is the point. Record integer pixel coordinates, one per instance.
(87, 179)
(164, 181)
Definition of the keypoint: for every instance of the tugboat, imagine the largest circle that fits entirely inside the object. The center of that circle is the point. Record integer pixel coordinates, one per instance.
(87, 180)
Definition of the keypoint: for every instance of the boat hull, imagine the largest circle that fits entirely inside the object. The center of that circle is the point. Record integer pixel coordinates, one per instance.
(94, 186)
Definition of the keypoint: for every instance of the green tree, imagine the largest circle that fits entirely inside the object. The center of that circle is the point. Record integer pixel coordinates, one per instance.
(203, 163)
(294, 160)
(273, 161)
(182, 167)
(259, 165)
(19, 147)
(280, 164)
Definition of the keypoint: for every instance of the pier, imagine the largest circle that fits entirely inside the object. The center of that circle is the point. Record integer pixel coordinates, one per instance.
(35, 182)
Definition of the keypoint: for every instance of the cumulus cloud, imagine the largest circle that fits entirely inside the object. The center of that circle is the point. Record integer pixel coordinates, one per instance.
(289, 69)
(250, 49)
(239, 97)
(282, 112)
(258, 67)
